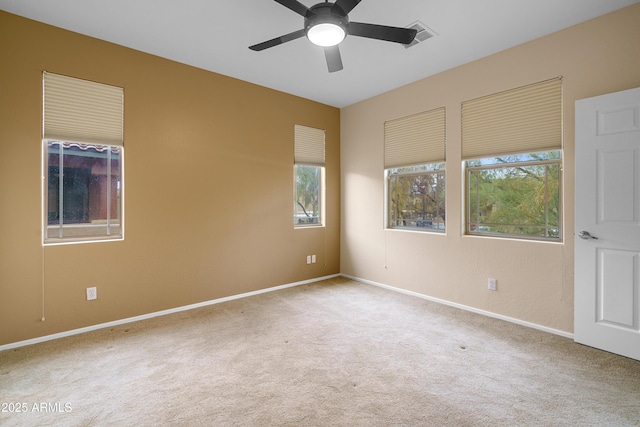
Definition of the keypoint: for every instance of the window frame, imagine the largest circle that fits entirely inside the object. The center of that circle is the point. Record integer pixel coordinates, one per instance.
(309, 145)
(75, 239)
(321, 197)
(433, 168)
(466, 168)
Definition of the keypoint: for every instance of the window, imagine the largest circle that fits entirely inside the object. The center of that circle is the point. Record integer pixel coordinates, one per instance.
(417, 197)
(82, 160)
(517, 195)
(308, 195)
(512, 152)
(83, 192)
(308, 172)
(415, 172)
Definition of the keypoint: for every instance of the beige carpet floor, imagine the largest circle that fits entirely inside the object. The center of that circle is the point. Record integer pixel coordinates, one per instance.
(333, 353)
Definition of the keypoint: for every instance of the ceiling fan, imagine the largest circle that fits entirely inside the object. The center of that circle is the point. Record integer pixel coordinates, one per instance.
(327, 24)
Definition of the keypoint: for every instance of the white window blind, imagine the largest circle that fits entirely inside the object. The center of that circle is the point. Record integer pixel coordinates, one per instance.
(308, 146)
(415, 139)
(78, 110)
(522, 120)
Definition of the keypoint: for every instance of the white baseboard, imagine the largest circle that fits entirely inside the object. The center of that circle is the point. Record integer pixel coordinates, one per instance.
(465, 307)
(157, 313)
(272, 289)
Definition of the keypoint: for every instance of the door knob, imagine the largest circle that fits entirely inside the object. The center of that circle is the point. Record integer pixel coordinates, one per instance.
(585, 235)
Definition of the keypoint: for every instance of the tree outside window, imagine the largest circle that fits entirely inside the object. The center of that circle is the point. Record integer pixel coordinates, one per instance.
(416, 197)
(308, 195)
(517, 196)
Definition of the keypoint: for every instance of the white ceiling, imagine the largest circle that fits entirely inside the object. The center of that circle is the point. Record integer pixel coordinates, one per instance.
(215, 35)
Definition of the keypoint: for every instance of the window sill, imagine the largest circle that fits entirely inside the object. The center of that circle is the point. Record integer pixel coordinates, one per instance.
(76, 240)
(307, 226)
(515, 238)
(430, 231)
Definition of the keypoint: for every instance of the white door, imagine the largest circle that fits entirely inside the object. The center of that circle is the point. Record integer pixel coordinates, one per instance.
(607, 221)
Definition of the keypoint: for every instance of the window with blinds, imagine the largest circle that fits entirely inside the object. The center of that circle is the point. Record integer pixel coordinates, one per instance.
(78, 110)
(415, 140)
(308, 172)
(414, 156)
(523, 120)
(83, 160)
(512, 148)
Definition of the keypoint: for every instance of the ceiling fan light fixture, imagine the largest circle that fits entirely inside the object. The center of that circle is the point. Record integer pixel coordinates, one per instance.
(325, 26)
(326, 34)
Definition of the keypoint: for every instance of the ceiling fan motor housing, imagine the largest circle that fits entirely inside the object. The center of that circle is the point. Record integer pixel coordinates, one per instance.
(325, 13)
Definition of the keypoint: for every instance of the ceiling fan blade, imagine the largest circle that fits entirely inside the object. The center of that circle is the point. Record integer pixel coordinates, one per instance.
(382, 32)
(296, 6)
(278, 40)
(346, 5)
(334, 61)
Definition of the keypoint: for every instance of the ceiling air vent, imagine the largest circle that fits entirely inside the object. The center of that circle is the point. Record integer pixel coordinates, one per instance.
(424, 33)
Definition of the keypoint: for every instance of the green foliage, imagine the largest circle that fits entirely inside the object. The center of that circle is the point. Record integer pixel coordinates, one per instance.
(307, 200)
(522, 199)
(417, 200)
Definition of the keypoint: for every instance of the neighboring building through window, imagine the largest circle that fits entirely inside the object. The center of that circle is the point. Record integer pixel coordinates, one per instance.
(415, 172)
(83, 160)
(512, 152)
(83, 192)
(308, 172)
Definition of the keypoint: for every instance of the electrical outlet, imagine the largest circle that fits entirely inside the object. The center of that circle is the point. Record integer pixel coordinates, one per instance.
(92, 293)
(492, 284)
(308, 259)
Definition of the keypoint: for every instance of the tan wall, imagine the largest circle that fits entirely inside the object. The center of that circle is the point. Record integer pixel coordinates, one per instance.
(535, 280)
(208, 188)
